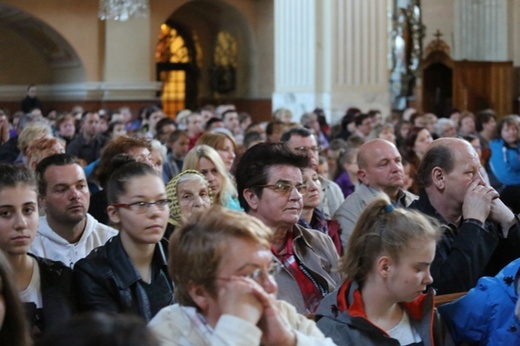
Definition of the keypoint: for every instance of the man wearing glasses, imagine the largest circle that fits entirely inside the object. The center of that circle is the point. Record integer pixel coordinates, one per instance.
(302, 141)
(270, 187)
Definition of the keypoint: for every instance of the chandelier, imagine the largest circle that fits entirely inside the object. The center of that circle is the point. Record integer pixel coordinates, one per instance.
(122, 9)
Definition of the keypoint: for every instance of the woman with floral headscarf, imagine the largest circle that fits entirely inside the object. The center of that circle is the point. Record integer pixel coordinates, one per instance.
(190, 193)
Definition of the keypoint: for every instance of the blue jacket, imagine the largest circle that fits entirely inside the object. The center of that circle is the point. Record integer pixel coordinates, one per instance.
(505, 162)
(485, 315)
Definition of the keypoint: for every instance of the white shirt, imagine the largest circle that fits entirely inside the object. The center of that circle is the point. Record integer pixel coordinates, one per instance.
(48, 244)
(404, 333)
(33, 292)
(183, 326)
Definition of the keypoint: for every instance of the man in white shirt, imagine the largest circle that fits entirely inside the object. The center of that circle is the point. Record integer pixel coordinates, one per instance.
(67, 232)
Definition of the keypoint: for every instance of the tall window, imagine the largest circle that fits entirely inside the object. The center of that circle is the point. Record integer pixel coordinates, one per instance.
(176, 69)
(225, 61)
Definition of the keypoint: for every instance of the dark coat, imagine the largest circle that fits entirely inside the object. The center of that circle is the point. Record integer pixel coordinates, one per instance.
(468, 251)
(58, 298)
(106, 280)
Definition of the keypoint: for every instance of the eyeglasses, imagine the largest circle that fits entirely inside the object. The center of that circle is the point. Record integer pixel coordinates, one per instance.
(305, 150)
(285, 188)
(258, 275)
(142, 207)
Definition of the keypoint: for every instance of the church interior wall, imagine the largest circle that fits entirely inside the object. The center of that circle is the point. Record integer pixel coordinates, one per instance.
(28, 67)
(77, 22)
(438, 15)
(102, 57)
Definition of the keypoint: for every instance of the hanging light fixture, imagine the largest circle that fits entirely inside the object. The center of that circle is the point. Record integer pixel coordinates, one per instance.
(122, 9)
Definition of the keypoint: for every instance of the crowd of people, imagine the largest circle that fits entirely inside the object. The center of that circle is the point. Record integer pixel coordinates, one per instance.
(213, 229)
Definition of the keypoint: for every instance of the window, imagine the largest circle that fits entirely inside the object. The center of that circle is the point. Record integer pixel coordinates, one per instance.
(176, 69)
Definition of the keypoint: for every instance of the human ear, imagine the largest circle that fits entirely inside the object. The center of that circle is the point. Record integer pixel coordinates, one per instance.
(383, 266)
(199, 296)
(438, 178)
(251, 198)
(113, 214)
(362, 176)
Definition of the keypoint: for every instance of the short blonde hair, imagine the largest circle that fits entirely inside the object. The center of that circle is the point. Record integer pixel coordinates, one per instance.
(36, 149)
(196, 249)
(31, 132)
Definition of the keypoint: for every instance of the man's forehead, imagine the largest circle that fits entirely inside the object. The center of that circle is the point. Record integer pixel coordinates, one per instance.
(466, 155)
(298, 141)
(64, 174)
(380, 151)
(231, 115)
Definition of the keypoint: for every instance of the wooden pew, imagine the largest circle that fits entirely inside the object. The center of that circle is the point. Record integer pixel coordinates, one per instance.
(447, 298)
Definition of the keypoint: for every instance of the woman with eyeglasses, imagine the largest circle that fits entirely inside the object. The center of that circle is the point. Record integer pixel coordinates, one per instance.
(224, 275)
(129, 273)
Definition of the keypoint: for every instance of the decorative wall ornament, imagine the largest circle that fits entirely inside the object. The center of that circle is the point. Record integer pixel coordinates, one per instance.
(437, 45)
(225, 62)
(122, 9)
(406, 50)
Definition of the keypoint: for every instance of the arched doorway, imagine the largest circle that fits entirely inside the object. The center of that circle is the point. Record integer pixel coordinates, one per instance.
(218, 58)
(437, 78)
(437, 89)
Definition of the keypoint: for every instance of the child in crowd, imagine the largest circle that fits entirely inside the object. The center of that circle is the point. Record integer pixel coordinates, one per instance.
(129, 273)
(387, 265)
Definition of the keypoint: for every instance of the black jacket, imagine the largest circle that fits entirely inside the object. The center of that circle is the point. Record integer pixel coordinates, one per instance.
(468, 251)
(106, 280)
(87, 151)
(57, 292)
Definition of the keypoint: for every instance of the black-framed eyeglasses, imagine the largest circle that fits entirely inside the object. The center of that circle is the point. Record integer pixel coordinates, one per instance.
(258, 275)
(143, 206)
(305, 150)
(285, 188)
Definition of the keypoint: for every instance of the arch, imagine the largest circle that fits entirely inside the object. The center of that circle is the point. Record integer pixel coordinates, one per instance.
(204, 20)
(42, 52)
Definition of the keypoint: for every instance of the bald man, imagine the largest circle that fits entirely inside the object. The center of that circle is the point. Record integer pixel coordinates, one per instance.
(380, 171)
(481, 235)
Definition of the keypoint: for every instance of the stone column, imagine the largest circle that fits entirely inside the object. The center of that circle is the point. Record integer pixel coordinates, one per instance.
(481, 29)
(128, 60)
(331, 54)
